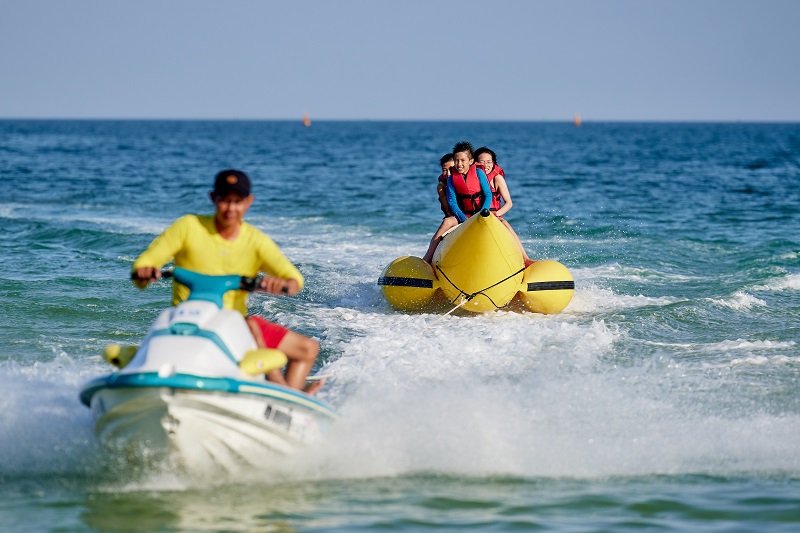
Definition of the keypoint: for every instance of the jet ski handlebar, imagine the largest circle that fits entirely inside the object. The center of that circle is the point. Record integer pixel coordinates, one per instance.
(250, 284)
(246, 283)
(165, 273)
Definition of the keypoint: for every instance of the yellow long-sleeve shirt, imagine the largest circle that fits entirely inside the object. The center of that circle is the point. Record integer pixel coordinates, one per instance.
(195, 244)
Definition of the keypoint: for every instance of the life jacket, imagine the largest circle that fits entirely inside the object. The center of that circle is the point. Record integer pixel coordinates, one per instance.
(496, 197)
(468, 191)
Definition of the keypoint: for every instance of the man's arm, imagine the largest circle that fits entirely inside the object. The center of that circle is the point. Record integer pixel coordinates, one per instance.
(160, 252)
(285, 277)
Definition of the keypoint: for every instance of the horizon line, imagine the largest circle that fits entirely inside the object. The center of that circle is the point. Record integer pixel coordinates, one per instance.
(461, 120)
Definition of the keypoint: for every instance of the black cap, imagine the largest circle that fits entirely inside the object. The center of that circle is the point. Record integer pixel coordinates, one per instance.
(229, 181)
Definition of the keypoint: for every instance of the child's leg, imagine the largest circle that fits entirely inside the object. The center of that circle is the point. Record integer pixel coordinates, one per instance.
(525, 257)
(302, 353)
(300, 350)
(447, 223)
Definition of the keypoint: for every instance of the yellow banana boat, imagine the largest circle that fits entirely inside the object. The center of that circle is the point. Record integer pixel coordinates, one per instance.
(478, 266)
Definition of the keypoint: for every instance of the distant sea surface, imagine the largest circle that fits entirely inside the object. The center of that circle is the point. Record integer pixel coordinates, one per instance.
(666, 397)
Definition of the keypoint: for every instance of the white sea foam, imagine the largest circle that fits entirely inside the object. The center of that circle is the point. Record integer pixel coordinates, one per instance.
(727, 346)
(740, 344)
(592, 299)
(408, 348)
(762, 360)
(505, 393)
(790, 282)
(411, 403)
(638, 274)
(9, 211)
(547, 421)
(150, 226)
(739, 301)
(110, 224)
(522, 395)
(45, 428)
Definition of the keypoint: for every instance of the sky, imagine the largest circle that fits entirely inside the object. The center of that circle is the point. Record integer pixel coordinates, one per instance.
(627, 60)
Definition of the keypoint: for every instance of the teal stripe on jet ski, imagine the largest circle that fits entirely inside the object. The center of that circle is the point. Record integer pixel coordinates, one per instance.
(192, 330)
(204, 384)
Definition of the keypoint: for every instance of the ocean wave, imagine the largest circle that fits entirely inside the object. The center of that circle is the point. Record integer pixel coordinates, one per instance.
(763, 360)
(639, 274)
(588, 392)
(741, 344)
(790, 282)
(726, 346)
(408, 348)
(739, 301)
(591, 299)
(45, 427)
(109, 224)
(546, 423)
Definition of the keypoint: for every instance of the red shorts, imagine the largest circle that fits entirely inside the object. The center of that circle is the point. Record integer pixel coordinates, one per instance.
(273, 333)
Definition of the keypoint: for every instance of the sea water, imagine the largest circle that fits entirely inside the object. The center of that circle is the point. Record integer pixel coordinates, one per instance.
(665, 396)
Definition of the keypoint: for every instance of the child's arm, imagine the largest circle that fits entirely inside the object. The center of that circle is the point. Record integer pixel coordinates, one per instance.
(502, 188)
(485, 189)
(440, 190)
(452, 201)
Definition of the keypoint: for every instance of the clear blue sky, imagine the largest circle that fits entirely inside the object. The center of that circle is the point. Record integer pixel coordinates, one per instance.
(412, 59)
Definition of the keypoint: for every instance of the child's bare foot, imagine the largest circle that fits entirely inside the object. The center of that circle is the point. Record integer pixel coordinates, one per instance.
(314, 387)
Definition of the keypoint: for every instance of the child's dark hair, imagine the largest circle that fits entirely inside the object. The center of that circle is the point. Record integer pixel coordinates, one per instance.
(445, 158)
(484, 150)
(463, 146)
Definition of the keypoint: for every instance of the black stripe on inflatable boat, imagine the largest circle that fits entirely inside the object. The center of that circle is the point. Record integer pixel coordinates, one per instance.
(405, 282)
(551, 285)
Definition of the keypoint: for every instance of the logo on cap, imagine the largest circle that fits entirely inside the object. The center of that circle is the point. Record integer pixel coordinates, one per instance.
(230, 180)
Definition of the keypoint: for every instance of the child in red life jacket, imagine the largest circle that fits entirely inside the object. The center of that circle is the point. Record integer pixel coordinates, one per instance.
(501, 198)
(486, 159)
(467, 196)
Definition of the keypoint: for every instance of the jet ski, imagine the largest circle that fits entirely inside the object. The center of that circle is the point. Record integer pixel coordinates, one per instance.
(194, 392)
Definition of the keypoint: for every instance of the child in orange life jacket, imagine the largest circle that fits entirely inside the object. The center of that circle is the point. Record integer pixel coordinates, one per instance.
(501, 198)
(469, 195)
(447, 163)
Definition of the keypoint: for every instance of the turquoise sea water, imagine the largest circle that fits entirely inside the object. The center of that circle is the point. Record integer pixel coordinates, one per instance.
(665, 397)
